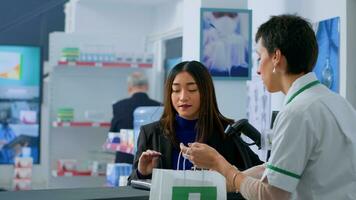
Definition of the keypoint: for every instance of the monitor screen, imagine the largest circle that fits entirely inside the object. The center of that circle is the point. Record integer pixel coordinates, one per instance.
(20, 102)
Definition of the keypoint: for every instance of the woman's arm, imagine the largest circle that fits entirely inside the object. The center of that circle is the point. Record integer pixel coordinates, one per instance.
(141, 147)
(145, 159)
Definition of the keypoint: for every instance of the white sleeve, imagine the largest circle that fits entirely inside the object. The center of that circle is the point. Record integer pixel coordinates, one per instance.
(291, 148)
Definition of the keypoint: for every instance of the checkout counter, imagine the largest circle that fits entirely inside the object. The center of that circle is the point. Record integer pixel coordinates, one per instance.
(126, 192)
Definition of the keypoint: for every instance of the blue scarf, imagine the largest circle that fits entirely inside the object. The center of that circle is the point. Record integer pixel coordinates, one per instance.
(186, 133)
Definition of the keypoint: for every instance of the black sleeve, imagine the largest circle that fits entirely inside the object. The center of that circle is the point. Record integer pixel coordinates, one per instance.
(249, 157)
(141, 147)
(114, 121)
(255, 160)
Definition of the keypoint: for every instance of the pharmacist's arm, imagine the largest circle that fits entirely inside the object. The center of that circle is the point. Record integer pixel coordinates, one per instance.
(251, 188)
(255, 189)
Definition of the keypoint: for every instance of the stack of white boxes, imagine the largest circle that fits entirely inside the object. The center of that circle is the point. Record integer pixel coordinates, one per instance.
(22, 173)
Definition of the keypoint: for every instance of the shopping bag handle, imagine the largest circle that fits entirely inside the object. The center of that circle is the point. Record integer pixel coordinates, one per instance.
(184, 158)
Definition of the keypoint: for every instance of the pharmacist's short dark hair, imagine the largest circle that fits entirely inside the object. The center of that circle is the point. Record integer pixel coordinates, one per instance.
(294, 37)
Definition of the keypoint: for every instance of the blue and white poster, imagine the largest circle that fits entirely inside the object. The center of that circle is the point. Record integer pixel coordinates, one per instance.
(327, 68)
(225, 42)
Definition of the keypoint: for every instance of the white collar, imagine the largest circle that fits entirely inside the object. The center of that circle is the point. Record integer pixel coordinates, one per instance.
(298, 84)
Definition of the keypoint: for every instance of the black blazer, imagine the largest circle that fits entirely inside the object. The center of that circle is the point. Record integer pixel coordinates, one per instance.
(123, 118)
(123, 110)
(151, 137)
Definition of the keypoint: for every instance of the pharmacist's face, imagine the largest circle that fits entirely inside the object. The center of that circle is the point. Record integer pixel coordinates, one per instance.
(185, 96)
(266, 69)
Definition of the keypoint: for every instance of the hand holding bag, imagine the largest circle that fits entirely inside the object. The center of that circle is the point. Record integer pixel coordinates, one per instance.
(187, 184)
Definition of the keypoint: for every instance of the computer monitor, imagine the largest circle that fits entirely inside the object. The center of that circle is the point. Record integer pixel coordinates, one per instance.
(20, 101)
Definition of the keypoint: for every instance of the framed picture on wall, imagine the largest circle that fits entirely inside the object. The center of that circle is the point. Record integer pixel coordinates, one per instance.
(225, 42)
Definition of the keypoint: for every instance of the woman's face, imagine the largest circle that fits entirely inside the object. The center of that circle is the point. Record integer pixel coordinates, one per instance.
(265, 68)
(185, 96)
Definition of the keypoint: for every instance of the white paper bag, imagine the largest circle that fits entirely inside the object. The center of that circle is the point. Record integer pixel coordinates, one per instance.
(187, 185)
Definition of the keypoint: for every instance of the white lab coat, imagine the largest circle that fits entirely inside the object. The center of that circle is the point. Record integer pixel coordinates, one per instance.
(314, 145)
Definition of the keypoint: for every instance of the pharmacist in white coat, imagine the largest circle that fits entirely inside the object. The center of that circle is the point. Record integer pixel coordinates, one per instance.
(314, 146)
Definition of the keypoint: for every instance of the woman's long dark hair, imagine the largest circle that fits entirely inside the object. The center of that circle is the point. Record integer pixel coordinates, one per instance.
(210, 120)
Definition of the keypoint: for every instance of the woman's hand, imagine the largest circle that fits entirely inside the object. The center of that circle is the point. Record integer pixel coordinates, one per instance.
(203, 156)
(148, 160)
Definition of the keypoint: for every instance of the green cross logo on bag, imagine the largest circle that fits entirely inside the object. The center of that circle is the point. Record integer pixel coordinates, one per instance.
(194, 193)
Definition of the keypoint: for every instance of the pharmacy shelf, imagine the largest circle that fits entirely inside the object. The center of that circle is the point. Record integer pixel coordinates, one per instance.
(113, 147)
(83, 89)
(103, 64)
(55, 173)
(81, 124)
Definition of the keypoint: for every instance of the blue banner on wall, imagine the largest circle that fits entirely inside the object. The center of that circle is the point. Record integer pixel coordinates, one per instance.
(327, 67)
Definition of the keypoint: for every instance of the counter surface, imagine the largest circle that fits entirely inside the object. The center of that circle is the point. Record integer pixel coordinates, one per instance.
(78, 193)
(125, 192)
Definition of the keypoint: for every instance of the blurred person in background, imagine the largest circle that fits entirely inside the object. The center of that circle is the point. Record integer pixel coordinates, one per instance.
(123, 110)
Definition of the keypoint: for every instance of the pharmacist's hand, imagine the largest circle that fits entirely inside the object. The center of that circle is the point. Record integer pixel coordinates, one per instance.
(203, 156)
(148, 160)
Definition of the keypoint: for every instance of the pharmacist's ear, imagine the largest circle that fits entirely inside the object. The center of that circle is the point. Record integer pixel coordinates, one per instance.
(278, 61)
(276, 57)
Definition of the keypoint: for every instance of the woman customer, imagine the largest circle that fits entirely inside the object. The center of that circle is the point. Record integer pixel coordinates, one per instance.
(190, 114)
